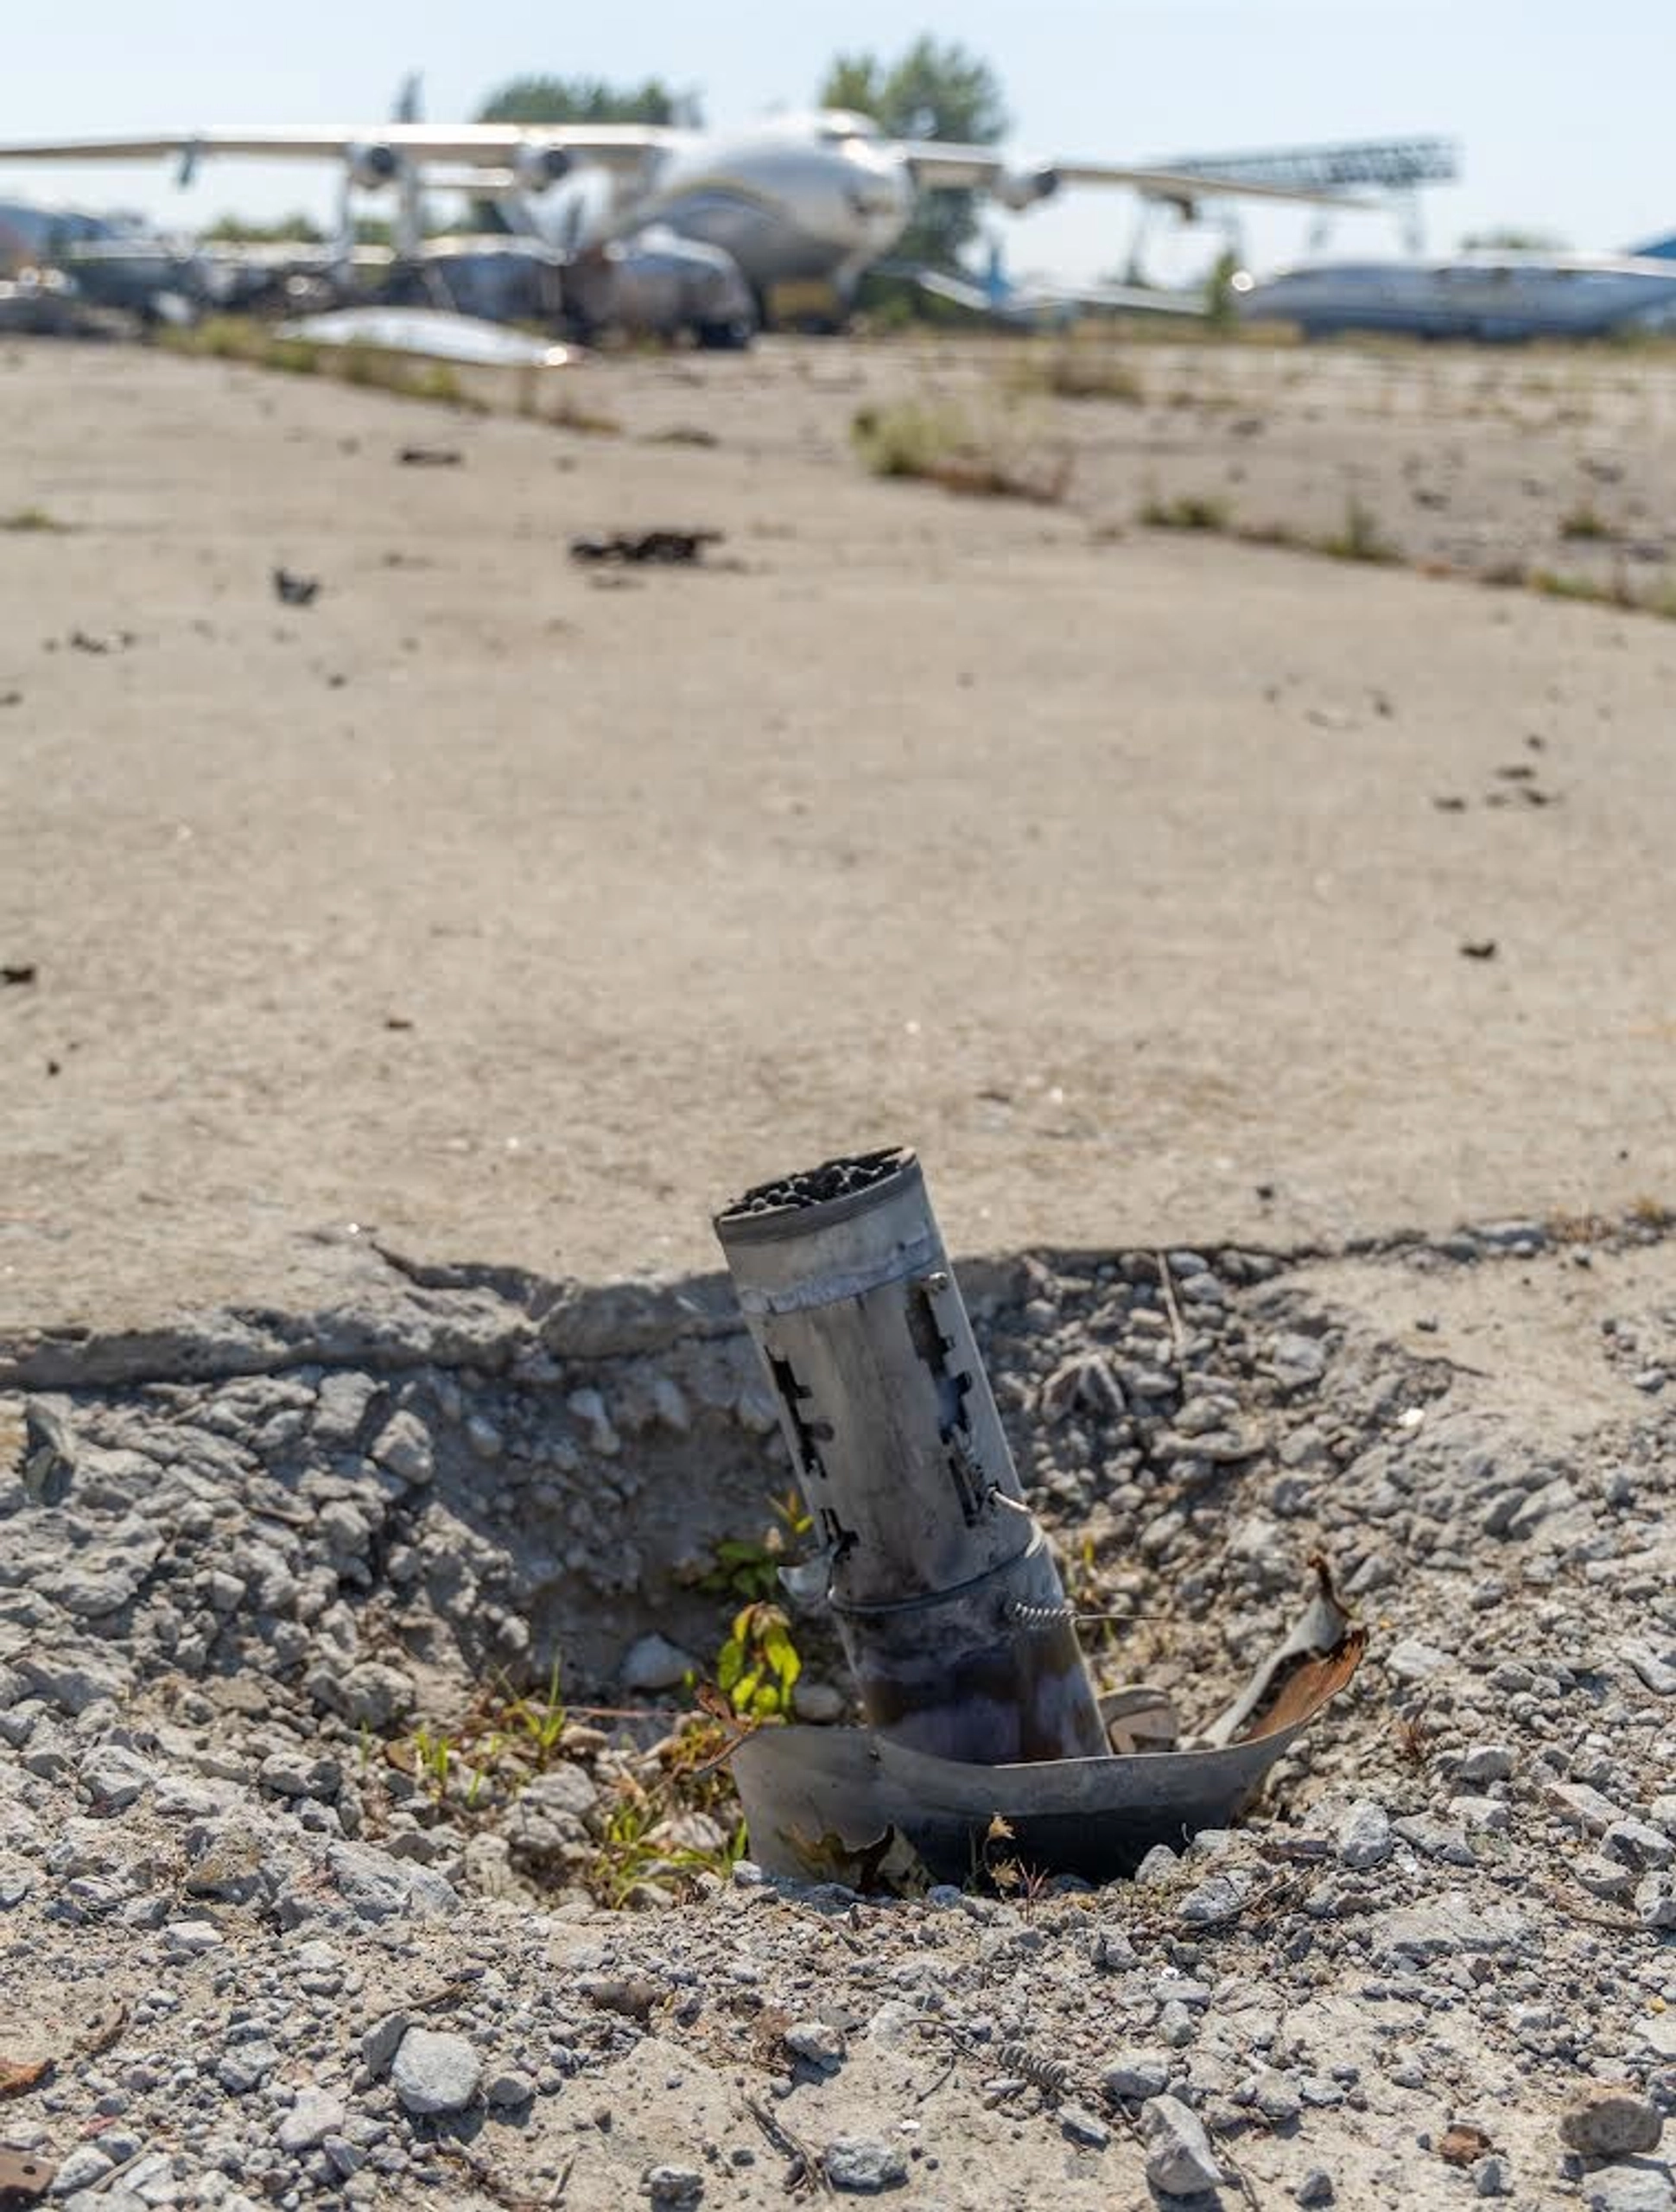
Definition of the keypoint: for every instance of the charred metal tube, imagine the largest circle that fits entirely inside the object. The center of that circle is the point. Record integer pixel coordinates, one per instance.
(947, 1600)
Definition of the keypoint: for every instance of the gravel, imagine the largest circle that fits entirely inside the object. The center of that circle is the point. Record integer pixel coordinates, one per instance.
(272, 1955)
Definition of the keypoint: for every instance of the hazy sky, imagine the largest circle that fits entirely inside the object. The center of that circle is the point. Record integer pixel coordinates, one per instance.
(1562, 109)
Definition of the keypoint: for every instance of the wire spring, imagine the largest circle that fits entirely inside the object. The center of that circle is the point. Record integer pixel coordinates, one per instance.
(1043, 1616)
(1046, 1617)
(1050, 2075)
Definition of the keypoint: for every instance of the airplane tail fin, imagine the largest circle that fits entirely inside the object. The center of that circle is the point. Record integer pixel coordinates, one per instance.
(410, 105)
(996, 285)
(1655, 249)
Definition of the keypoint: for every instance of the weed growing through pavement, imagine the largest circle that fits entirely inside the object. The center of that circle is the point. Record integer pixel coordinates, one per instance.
(1585, 522)
(1079, 368)
(1191, 511)
(996, 455)
(242, 338)
(1358, 537)
(24, 519)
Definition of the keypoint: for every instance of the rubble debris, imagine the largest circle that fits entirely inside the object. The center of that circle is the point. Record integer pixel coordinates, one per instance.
(1179, 2159)
(1463, 2144)
(24, 2177)
(430, 457)
(1611, 2122)
(1443, 1973)
(19, 973)
(662, 546)
(293, 590)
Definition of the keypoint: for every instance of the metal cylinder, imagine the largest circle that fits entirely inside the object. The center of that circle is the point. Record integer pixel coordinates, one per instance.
(945, 1594)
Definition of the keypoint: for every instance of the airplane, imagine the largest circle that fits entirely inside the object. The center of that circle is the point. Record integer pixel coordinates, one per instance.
(1494, 297)
(1038, 304)
(800, 205)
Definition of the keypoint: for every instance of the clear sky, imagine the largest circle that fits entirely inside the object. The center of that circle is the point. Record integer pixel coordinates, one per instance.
(1562, 109)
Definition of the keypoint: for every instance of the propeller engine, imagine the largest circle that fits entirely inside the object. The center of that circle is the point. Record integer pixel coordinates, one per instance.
(370, 168)
(1021, 188)
(537, 166)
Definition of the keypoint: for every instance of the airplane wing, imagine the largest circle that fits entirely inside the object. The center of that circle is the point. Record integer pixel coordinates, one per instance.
(1029, 300)
(1119, 299)
(469, 145)
(937, 165)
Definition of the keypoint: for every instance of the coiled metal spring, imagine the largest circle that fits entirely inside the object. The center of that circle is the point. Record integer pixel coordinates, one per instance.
(1050, 2075)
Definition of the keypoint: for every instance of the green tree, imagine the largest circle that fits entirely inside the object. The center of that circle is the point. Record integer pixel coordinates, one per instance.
(232, 230)
(933, 92)
(1513, 242)
(587, 100)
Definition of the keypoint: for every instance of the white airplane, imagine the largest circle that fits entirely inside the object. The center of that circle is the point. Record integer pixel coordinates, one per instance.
(801, 201)
(1489, 297)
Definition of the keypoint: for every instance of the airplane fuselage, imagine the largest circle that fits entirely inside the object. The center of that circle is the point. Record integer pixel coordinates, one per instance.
(1486, 297)
(806, 200)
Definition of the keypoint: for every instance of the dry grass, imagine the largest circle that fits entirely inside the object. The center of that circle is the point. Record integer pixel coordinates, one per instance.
(241, 338)
(1358, 537)
(1080, 368)
(1192, 511)
(1598, 591)
(994, 454)
(1585, 522)
(23, 520)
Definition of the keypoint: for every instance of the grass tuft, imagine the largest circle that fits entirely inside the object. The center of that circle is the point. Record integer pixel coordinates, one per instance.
(1080, 368)
(242, 338)
(1360, 537)
(1585, 522)
(1188, 511)
(935, 443)
(24, 519)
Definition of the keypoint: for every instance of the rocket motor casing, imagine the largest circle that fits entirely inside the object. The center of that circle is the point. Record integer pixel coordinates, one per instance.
(947, 1600)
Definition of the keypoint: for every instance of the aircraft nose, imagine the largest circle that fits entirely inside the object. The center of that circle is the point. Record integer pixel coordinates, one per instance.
(877, 191)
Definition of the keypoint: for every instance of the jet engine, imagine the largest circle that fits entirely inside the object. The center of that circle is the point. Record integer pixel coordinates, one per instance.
(1021, 188)
(537, 166)
(371, 166)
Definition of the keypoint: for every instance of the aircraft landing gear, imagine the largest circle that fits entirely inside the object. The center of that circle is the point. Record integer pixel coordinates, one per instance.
(731, 337)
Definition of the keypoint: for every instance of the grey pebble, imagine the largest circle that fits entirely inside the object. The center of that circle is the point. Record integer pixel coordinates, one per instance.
(316, 2114)
(863, 2166)
(435, 2072)
(1610, 2123)
(1179, 2159)
(674, 2189)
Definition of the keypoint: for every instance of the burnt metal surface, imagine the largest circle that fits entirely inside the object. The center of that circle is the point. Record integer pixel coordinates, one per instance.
(1096, 1817)
(814, 1186)
(25, 2177)
(930, 1554)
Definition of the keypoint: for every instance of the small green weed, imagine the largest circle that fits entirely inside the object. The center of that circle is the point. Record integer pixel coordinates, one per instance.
(1585, 522)
(757, 1667)
(1598, 591)
(1188, 511)
(32, 519)
(1360, 537)
(747, 1568)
